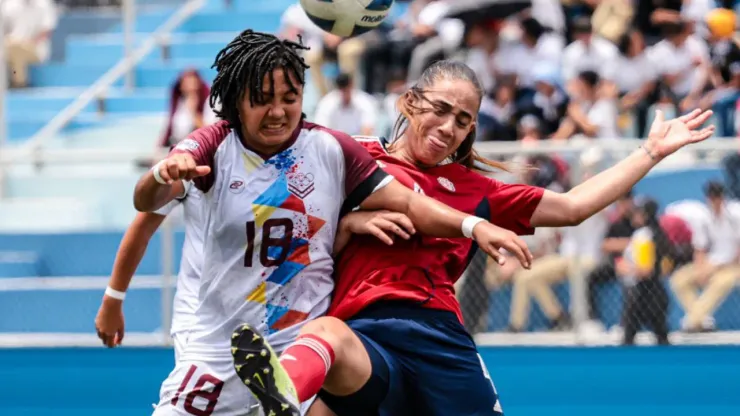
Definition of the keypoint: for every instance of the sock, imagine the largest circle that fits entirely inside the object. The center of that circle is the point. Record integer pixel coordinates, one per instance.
(307, 362)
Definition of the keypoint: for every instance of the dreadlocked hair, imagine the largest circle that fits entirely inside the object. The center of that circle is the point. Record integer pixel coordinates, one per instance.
(407, 107)
(243, 64)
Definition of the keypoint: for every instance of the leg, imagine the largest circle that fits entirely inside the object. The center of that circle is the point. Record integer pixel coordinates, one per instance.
(723, 104)
(519, 301)
(683, 285)
(315, 59)
(720, 285)
(20, 56)
(598, 276)
(655, 314)
(631, 315)
(421, 55)
(545, 272)
(349, 53)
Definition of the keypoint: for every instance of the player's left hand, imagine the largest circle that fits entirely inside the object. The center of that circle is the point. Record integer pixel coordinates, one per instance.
(666, 137)
(491, 238)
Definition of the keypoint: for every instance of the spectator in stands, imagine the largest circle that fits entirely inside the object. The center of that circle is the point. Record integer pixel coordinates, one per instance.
(28, 26)
(725, 70)
(550, 102)
(188, 108)
(592, 109)
(587, 52)
(496, 116)
(681, 62)
(347, 109)
(617, 238)
(345, 51)
(634, 77)
(515, 62)
(651, 15)
(641, 268)
(715, 265)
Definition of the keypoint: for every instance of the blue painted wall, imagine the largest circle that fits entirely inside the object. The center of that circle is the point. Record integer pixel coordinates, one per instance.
(675, 381)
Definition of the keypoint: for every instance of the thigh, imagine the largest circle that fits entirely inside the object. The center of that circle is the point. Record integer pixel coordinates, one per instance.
(203, 389)
(385, 392)
(459, 384)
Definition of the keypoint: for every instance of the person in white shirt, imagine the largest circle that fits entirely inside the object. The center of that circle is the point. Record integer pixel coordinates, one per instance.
(588, 52)
(347, 109)
(634, 77)
(28, 26)
(715, 266)
(681, 61)
(592, 111)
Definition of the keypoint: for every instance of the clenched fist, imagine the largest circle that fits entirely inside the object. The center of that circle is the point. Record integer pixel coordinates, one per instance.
(180, 166)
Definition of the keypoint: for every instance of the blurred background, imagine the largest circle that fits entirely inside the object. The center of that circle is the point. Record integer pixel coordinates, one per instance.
(98, 89)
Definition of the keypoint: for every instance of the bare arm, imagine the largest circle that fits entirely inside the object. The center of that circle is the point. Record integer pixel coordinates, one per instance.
(598, 192)
(150, 195)
(615, 244)
(132, 249)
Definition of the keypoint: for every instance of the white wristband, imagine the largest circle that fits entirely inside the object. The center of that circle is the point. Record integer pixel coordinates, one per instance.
(468, 224)
(115, 294)
(155, 173)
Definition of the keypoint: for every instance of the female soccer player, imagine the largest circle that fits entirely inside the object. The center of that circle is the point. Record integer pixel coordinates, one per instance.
(274, 189)
(402, 349)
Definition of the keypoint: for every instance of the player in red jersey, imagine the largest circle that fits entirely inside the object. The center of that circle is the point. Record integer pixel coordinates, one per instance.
(394, 343)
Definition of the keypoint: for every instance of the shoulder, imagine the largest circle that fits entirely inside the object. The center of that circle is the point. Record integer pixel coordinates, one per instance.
(338, 141)
(205, 138)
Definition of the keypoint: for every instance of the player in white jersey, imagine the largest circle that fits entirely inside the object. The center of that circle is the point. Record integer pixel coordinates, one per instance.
(110, 322)
(275, 187)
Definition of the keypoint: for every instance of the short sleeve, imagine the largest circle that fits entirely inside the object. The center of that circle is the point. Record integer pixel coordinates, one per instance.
(203, 144)
(512, 206)
(362, 176)
(170, 206)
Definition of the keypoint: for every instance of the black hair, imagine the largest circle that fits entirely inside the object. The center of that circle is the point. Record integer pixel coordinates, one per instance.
(245, 62)
(714, 189)
(343, 80)
(590, 78)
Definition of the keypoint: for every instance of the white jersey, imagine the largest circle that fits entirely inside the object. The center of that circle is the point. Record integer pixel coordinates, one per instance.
(269, 230)
(188, 278)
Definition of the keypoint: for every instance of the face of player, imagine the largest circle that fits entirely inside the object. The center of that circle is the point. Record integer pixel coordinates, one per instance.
(449, 111)
(268, 126)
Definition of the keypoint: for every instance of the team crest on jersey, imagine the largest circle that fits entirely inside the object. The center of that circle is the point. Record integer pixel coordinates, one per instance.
(418, 189)
(300, 184)
(187, 144)
(380, 164)
(446, 183)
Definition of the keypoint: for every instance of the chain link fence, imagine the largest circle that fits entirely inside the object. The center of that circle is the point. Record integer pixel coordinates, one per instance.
(658, 266)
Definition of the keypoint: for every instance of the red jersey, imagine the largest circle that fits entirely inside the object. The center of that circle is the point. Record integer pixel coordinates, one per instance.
(424, 269)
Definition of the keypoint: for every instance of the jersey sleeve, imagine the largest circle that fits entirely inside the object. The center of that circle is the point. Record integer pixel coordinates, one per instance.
(202, 144)
(512, 206)
(170, 206)
(362, 176)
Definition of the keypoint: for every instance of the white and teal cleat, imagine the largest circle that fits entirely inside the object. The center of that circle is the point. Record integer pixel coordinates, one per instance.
(259, 369)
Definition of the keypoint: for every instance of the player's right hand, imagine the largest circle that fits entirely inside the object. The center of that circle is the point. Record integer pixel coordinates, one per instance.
(181, 166)
(109, 322)
(491, 239)
(382, 224)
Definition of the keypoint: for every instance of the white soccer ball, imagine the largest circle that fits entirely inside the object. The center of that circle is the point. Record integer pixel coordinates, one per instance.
(347, 18)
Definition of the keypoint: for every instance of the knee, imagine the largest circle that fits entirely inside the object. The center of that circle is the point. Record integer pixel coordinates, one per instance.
(724, 281)
(334, 332)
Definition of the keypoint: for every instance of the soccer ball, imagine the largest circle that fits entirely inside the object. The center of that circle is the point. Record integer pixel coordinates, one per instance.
(347, 18)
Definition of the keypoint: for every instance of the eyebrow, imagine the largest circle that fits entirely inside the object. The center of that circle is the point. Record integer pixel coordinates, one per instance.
(450, 106)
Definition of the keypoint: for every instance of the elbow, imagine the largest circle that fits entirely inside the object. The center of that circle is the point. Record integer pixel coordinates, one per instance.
(574, 214)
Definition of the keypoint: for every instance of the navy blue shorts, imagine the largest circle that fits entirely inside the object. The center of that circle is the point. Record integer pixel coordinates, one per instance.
(424, 363)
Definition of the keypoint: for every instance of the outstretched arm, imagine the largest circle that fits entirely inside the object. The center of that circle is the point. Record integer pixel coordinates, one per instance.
(109, 321)
(571, 208)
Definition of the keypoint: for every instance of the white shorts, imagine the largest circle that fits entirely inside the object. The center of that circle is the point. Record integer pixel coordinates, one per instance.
(207, 388)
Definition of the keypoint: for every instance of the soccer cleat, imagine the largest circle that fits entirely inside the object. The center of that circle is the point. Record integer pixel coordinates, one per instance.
(259, 369)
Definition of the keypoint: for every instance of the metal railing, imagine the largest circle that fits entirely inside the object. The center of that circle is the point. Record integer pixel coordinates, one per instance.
(122, 68)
